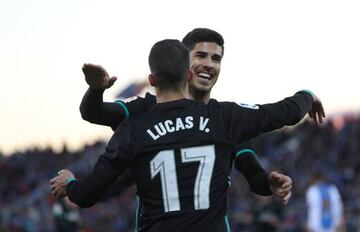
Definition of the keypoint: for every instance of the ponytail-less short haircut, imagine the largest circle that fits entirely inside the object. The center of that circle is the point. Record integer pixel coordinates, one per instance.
(169, 63)
(203, 35)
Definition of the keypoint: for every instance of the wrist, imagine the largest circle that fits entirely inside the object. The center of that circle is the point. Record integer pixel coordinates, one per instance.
(97, 89)
(307, 91)
(69, 180)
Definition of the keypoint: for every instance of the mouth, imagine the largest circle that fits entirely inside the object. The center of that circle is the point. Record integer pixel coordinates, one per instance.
(204, 75)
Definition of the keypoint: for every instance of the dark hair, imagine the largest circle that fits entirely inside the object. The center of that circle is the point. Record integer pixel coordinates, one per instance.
(169, 63)
(203, 35)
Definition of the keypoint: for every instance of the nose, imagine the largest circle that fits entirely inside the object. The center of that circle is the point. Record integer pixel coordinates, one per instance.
(207, 62)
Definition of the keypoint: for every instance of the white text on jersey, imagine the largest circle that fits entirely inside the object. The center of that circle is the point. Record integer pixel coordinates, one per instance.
(170, 126)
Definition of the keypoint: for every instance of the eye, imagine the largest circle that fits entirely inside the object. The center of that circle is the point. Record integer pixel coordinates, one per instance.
(201, 54)
(216, 58)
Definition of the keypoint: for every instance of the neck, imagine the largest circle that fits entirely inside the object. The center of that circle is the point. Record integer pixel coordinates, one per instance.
(169, 95)
(199, 96)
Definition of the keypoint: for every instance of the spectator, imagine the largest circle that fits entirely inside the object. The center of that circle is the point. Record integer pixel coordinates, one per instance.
(324, 205)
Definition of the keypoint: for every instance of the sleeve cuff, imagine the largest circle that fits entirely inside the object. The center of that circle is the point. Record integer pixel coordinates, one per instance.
(243, 151)
(307, 91)
(126, 110)
(69, 180)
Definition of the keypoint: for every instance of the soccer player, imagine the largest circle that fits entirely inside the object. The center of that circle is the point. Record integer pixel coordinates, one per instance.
(181, 181)
(206, 51)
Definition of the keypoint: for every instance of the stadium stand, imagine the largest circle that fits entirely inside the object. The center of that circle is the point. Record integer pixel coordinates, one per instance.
(26, 202)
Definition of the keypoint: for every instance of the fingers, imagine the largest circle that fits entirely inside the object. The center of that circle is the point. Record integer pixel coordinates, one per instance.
(97, 77)
(86, 68)
(285, 191)
(281, 186)
(54, 190)
(315, 116)
(112, 81)
(52, 181)
(273, 175)
(286, 199)
(284, 195)
(58, 193)
(321, 114)
(311, 114)
(94, 69)
(317, 112)
(279, 179)
(57, 184)
(287, 186)
(281, 192)
(320, 117)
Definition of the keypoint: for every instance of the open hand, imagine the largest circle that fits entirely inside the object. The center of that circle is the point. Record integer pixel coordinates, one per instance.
(97, 77)
(317, 112)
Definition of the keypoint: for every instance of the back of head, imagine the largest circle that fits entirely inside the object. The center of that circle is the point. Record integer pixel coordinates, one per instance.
(203, 35)
(317, 176)
(169, 63)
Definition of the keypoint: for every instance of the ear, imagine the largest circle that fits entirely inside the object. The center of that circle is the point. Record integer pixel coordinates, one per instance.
(190, 75)
(152, 80)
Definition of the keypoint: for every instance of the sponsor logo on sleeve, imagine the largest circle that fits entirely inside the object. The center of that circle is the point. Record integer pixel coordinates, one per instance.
(254, 107)
(130, 99)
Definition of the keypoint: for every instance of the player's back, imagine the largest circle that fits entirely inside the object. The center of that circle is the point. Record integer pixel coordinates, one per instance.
(181, 167)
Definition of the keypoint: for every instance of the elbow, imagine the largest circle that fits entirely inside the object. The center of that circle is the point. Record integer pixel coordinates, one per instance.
(83, 204)
(80, 198)
(85, 115)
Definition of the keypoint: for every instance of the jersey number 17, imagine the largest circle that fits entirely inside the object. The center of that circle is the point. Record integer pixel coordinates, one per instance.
(163, 164)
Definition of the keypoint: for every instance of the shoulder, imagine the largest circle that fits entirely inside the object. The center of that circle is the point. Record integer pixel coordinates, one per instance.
(137, 99)
(150, 97)
(230, 104)
(313, 191)
(248, 106)
(220, 104)
(334, 189)
(137, 105)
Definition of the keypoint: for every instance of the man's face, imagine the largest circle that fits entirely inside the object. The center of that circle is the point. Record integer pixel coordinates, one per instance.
(205, 62)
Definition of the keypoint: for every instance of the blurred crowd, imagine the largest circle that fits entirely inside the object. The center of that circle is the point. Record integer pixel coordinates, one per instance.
(26, 203)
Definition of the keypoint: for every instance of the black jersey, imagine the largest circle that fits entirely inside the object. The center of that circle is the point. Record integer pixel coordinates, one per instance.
(136, 106)
(94, 110)
(179, 155)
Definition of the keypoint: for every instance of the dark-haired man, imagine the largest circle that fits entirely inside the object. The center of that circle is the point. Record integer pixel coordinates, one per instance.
(181, 181)
(206, 51)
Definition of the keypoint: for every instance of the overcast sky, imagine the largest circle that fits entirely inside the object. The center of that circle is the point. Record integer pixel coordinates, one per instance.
(272, 49)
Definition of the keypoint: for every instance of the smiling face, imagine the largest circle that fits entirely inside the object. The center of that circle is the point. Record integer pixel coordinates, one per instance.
(205, 62)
